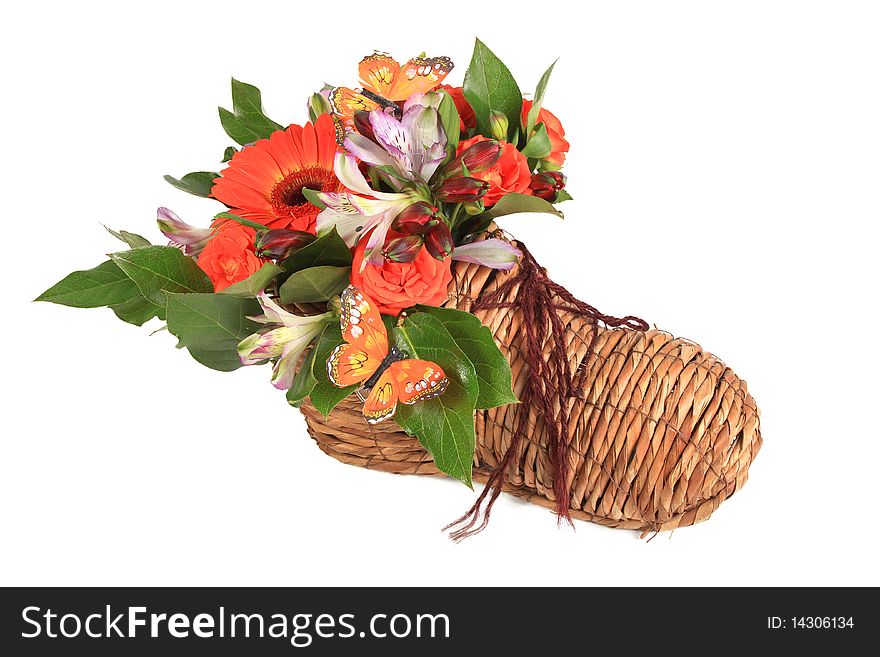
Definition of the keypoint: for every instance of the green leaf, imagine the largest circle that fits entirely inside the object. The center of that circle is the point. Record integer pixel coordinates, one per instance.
(255, 283)
(443, 425)
(471, 226)
(513, 203)
(229, 153)
(137, 311)
(132, 239)
(304, 382)
(159, 269)
(312, 197)
(246, 123)
(538, 100)
(475, 340)
(325, 396)
(563, 195)
(105, 285)
(328, 249)
(198, 183)
(538, 146)
(489, 86)
(314, 284)
(240, 220)
(210, 326)
(450, 121)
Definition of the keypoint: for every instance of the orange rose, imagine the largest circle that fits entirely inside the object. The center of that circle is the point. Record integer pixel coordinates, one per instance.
(509, 174)
(558, 144)
(229, 256)
(466, 118)
(394, 286)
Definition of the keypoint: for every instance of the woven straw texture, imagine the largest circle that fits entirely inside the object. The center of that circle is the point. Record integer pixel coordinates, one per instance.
(661, 432)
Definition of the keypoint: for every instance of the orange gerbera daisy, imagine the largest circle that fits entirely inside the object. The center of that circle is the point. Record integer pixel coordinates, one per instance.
(264, 181)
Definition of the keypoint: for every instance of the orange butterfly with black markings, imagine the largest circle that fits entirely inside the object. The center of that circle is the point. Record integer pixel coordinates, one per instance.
(386, 83)
(386, 376)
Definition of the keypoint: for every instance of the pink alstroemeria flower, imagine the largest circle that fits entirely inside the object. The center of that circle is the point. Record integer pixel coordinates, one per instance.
(286, 343)
(493, 253)
(189, 238)
(413, 146)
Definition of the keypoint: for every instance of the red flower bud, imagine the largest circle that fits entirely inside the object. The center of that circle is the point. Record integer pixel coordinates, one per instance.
(463, 189)
(279, 243)
(403, 249)
(478, 157)
(363, 126)
(439, 241)
(417, 219)
(546, 184)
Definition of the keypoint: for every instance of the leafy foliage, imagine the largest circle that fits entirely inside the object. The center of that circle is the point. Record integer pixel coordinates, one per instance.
(240, 220)
(493, 372)
(159, 269)
(538, 101)
(325, 396)
(443, 425)
(304, 382)
(197, 183)
(210, 326)
(489, 87)
(538, 145)
(450, 121)
(329, 249)
(246, 123)
(250, 287)
(513, 203)
(105, 285)
(314, 284)
(134, 240)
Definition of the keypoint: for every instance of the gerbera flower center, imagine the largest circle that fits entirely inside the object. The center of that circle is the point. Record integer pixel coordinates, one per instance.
(287, 195)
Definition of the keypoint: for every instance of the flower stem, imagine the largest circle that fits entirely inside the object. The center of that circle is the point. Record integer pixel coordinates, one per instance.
(454, 216)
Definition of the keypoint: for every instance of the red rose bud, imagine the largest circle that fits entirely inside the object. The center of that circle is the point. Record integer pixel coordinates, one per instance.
(477, 157)
(546, 184)
(363, 126)
(279, 243)
(439, 241)
(463, 189)
(417, 219)
(403, 249)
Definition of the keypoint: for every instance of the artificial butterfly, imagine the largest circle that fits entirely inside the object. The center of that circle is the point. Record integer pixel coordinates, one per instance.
(386, 376)
(386, 83)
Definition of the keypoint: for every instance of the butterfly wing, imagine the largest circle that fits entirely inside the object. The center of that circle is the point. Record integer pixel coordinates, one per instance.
(418, 380)
(366, 340)
(348, 364)
(378, 72)
(345, 102)
(361, 323)
(381, 403)
(418, 75)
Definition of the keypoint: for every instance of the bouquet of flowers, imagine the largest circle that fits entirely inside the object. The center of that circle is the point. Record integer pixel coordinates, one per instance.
(334, 261)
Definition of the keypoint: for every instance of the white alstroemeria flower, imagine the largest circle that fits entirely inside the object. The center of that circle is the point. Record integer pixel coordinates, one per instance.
(361, 209)
(286, 343)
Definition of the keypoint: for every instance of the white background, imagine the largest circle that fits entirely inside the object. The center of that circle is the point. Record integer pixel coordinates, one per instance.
(725, 164)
